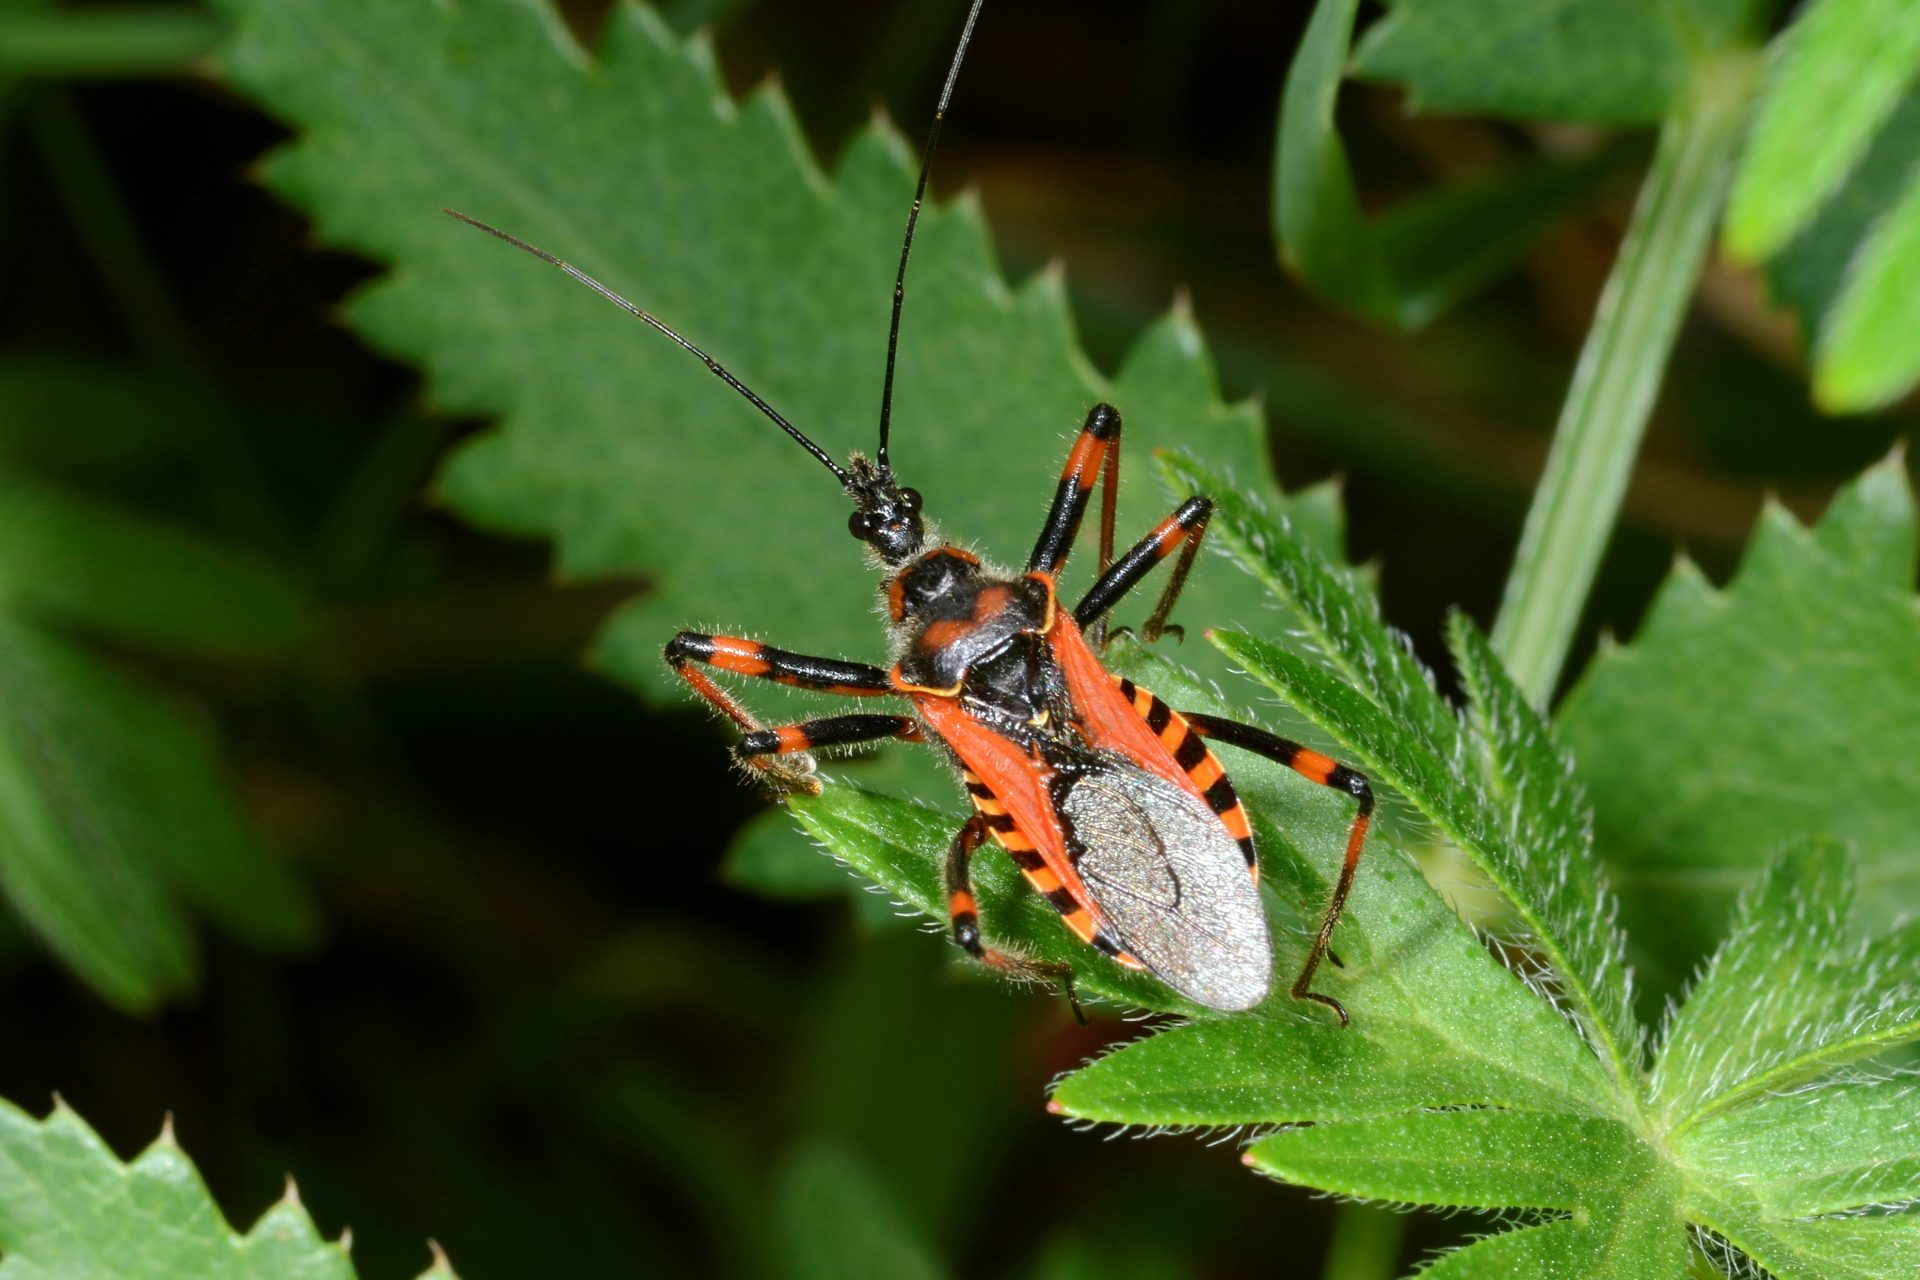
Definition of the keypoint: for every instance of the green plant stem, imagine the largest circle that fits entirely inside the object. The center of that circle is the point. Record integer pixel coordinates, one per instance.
(112, 41)
(1619, 373)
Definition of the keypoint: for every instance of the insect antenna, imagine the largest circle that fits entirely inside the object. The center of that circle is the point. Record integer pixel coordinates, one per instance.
(719, 370)
(913, 218)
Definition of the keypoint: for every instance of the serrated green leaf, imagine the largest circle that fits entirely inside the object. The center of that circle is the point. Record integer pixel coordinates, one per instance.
(635, 165)
(1870, 526)
(1526, 833)
(1840, 1248)
(1410, 265)
(70, 1209)
(1787, 998)
(1484, 1158)
(1635, 1239)
(836, 1221)
(1838, 74)
(74, 562)
(1787, 704)
(113, 817)
(1845, 1146)
(1592, 61)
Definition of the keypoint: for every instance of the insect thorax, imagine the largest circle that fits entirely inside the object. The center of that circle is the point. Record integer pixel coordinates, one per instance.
(958, 623)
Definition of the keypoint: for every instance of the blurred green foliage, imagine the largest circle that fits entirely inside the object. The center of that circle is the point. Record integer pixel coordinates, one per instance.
(243, 674)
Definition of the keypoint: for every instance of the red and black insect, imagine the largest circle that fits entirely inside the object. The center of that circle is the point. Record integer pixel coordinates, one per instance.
(1109, 801)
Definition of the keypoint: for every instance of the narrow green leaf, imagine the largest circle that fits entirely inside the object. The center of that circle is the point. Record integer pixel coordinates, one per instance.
(836, 1220)
(75, 562)
(1428, 253)
(111, 808)
(1592, 61)
(1787, 704)
(1865, 356)
(1838, 74)
(1812, 271)
(1381, 704)
(1846, 1146)
(69, 1208)
(1485, 1158)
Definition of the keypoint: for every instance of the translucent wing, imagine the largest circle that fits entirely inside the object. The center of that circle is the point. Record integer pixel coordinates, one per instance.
(1169, 882)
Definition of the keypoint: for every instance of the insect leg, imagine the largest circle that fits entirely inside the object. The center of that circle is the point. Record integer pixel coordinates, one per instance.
(1328, 773)
(1182, 532)
(763, 662)
(965, 913)
(828, 731)
(1097, 449)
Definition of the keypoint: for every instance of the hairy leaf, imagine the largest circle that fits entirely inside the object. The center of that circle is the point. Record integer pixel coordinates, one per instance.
(1788, 998)
(1516, 816)
(69, 1208)
(1787, 704)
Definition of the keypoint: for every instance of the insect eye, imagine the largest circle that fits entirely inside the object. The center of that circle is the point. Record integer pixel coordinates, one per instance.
(910, 499)
(860, 524)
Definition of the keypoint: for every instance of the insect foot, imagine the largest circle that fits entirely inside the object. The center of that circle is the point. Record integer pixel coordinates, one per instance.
(785, 775)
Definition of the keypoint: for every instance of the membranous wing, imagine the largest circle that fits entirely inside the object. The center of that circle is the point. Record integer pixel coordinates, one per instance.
(1169, 883)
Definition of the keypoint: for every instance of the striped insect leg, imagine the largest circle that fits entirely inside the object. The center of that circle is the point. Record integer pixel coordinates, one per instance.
(1180, 531)
(827, 731)
(964, 910)
(750, 658)
(1328, 772)
(1096, 449)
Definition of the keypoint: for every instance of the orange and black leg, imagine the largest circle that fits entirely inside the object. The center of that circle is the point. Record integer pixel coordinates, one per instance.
(764, 662)
(1096, 452)
(827, 731)
(965, 913)
(1182, 532)
(1328, 772)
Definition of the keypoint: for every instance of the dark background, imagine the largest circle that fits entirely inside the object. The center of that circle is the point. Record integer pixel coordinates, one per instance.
(540, 1028)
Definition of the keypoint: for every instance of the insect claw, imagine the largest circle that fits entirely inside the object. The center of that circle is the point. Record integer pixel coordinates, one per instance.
(1173, 629)
(793, 774)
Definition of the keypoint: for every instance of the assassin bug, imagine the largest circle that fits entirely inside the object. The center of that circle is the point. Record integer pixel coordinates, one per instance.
(1109, 801)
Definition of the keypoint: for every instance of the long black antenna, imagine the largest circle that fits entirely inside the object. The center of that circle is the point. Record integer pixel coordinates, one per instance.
(913, 217)
(719, 370)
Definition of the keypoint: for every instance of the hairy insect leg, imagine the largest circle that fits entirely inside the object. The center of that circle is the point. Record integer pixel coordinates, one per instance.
(827, 731)
(1181, 531)
(783, 771)
(1328, 772)
(965, 914)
